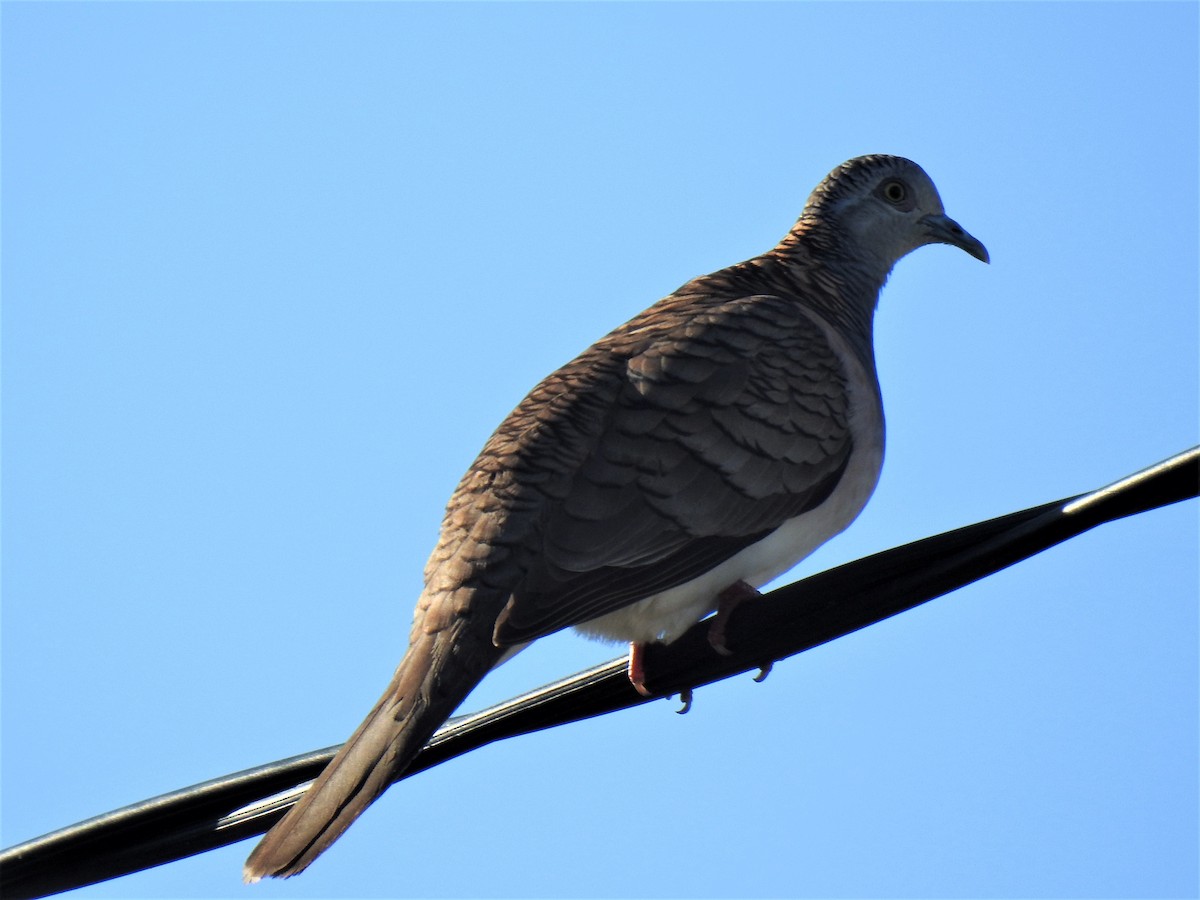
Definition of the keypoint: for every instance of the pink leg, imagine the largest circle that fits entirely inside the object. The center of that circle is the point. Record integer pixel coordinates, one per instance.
(727, 601)
(637, 670)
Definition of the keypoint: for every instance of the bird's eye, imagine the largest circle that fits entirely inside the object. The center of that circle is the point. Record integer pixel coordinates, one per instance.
(895, 191)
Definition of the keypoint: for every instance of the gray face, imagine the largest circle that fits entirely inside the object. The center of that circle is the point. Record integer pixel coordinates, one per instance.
(889, 207)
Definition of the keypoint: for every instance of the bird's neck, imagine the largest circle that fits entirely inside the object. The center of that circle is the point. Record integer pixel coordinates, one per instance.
(822, 266)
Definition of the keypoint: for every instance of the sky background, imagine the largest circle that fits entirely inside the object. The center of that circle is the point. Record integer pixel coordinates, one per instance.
(273, 273)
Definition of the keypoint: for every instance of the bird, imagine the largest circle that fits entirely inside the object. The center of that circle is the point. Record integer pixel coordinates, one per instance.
(666, 473)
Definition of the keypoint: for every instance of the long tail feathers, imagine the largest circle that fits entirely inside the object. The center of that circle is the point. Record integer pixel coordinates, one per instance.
(434, 677)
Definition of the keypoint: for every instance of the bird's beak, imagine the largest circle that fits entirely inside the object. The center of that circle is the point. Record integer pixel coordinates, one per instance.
(941, 229)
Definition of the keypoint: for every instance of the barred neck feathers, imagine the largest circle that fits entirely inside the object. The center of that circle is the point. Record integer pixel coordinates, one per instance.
(838, 294)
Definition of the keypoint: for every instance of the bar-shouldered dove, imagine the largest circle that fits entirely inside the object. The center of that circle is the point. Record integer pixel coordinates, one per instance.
(693, 454)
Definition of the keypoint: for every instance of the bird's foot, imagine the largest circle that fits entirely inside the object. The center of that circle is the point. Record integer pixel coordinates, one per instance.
(637, 668)
(637, 677)
(763, 672)
(727, 601)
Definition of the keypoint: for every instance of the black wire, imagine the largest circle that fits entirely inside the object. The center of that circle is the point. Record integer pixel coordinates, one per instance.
(785, 622)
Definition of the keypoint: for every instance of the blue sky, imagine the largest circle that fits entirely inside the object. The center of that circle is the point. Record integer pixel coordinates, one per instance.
(272, 273)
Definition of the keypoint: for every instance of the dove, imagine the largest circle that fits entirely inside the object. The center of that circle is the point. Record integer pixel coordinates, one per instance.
(682, 461)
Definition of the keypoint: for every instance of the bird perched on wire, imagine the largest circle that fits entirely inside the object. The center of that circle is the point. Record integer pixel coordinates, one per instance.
(688, 457)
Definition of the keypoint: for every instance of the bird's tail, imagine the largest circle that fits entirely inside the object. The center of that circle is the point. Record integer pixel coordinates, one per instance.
(435, 676)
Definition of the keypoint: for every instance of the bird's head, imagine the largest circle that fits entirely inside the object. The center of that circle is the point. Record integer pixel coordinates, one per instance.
(886, 207)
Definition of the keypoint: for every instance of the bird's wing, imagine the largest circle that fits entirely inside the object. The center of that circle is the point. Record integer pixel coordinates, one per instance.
(700, 438)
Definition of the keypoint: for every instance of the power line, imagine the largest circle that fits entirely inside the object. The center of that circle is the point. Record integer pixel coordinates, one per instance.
(787, 621)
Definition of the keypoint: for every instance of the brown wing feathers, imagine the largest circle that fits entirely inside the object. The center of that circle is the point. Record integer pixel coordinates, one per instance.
(715, 439)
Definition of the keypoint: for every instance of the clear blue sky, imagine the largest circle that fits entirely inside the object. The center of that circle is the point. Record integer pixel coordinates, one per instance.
(272, 273)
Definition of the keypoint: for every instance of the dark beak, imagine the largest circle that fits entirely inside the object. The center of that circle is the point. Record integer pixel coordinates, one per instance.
(941, 229)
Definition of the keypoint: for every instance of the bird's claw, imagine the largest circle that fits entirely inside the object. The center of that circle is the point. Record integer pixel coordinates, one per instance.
(727, 601)
(716, 637)
(763, 672)
(685, 697)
